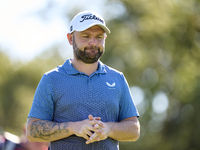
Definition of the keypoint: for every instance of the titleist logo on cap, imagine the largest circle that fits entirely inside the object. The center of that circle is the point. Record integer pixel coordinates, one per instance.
(90, 17)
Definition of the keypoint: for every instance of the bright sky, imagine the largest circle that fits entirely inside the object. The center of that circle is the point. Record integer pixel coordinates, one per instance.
(23, 34)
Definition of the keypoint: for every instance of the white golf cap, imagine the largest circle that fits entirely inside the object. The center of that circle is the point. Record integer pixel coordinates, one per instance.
(87, 19)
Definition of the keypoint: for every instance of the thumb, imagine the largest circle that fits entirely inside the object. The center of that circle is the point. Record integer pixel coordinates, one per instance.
(91, 117)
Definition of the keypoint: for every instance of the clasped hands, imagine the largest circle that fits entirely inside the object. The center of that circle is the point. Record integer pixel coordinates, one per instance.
(91, 129)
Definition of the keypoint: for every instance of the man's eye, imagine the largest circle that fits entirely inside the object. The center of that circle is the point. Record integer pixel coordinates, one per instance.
(85, 36)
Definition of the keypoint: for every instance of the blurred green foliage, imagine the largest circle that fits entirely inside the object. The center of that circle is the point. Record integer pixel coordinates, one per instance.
(156, 44)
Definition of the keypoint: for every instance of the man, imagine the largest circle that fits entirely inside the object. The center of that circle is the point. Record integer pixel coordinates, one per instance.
(84, 104)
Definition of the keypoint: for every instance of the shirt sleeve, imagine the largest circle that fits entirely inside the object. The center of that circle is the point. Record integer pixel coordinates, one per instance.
(127, 105)
(43, 102)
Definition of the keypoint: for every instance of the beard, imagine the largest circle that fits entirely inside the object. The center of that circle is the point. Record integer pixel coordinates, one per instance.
(85, 56)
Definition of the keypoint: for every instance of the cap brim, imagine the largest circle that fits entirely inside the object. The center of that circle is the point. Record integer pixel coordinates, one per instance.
(83, 28)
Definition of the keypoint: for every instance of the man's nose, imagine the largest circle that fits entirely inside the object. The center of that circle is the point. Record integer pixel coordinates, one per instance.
(93, 41)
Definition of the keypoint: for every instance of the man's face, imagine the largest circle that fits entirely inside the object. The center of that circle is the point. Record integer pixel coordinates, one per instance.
(89, 45)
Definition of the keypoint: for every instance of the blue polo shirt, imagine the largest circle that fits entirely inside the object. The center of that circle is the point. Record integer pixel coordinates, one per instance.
(67, 95)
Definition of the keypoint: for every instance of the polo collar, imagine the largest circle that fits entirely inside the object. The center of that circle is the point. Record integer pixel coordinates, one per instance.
(69, 69)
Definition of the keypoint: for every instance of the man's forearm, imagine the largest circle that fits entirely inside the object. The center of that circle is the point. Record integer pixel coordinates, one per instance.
(124, 130)
(47, 131)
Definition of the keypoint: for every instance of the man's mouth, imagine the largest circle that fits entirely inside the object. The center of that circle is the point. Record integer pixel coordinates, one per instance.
(93, 49)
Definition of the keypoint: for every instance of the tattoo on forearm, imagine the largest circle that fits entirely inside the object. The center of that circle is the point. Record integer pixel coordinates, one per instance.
(45, 129)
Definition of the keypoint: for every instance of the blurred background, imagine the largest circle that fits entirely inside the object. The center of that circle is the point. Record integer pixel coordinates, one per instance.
(155, 43)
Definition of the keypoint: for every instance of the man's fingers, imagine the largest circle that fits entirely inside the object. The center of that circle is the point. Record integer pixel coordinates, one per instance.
(92, 138)
(91, 117)
(85, 137)
(94, 118)
(100, 123)
(88, 133)
(96, 126)
(97, 138)
(97, 118)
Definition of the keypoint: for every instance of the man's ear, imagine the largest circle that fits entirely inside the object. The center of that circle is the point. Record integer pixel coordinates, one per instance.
(70, 38)
(105, 36)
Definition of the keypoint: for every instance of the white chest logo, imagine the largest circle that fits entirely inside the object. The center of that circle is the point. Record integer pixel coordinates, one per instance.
(111, 85)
